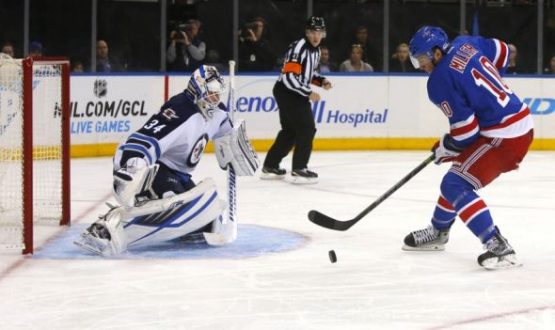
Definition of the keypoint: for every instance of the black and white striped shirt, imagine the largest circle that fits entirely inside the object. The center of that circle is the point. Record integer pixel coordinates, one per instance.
(299, 67)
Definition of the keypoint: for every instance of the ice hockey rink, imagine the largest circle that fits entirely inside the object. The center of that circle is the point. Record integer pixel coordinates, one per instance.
(277, 275)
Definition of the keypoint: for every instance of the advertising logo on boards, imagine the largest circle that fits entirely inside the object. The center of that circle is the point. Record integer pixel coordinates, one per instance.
(100, 114)
(540, 105)
(256, 97)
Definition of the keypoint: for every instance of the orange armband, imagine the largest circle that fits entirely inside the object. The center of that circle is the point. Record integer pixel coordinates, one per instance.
(292, 67)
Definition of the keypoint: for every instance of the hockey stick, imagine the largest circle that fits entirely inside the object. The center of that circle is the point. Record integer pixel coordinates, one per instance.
(231, 188)
(328, 222)
(215, 238)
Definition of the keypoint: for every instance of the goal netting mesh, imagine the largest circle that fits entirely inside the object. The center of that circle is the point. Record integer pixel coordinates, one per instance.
(46, 159)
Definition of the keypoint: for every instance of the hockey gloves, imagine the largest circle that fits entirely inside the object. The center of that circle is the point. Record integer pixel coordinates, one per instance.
(133, 179)
(445, 150)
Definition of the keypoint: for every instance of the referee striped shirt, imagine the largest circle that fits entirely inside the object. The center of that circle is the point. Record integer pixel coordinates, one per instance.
(299, 65)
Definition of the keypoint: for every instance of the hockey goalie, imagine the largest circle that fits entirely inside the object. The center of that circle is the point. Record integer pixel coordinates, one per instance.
(158, 200)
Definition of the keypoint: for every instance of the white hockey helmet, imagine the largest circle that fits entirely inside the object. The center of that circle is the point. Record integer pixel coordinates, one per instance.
(207, 86)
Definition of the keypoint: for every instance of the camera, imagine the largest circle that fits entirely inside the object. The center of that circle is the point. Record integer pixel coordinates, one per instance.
(182, 27)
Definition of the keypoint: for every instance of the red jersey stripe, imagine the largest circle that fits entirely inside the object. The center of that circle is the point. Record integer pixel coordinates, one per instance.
(502, 56)
(465, 129)
(513, 119)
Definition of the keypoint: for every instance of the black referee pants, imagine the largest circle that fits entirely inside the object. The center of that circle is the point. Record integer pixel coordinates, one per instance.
(297, 129)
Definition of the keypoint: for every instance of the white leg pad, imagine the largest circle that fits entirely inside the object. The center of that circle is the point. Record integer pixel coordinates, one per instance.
(155, 221)
(169, 218)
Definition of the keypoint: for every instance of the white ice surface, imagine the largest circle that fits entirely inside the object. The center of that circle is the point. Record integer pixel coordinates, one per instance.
(373, 285)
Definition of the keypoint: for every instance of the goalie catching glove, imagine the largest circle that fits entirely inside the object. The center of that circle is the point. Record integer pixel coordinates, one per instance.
(445, 150)
(236, 150)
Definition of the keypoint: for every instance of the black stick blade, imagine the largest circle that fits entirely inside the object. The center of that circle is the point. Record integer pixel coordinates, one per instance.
(327, 222)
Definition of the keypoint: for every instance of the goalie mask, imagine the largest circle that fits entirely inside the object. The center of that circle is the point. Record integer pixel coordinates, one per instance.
(207, 87)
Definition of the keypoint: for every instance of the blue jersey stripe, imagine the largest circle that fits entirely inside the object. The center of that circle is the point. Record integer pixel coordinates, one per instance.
(139, 148)
(150, 140)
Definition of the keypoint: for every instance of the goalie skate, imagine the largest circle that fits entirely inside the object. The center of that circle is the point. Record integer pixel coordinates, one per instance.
(105, 236)
(94, 239)
(499, 254)
(427, 239)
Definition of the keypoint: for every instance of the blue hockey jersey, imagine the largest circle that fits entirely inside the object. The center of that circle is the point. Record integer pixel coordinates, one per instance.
(467, 86)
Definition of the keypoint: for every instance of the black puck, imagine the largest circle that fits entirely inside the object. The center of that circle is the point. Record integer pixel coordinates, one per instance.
(333, 257)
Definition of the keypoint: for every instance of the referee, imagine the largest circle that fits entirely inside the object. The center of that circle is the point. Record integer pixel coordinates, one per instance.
(293, 95)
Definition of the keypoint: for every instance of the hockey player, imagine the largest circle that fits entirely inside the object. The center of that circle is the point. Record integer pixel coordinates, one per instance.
(490, 133)
(152, 182)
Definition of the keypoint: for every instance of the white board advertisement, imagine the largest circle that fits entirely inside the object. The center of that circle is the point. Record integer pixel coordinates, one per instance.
(105, 109)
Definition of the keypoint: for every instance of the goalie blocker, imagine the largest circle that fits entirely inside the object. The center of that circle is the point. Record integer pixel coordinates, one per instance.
(236, 150)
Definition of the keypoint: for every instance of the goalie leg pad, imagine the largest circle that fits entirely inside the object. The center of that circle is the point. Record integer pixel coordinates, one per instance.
(235, 149)
(169, 218)
(153, 222)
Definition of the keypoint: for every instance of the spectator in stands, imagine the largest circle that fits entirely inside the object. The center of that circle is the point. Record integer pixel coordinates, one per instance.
(255, 52)
(186, 51)
(7, 48)
(104, 63)
(513, 53)
(551, 68)
(77, 66)
(400, 61)
(355, 62)
(35, 49)
(361, 37)
(325, 64)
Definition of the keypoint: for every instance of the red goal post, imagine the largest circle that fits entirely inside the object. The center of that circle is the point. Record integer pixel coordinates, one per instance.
(34, 148)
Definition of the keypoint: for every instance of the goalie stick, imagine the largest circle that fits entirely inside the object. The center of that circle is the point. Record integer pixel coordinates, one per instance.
(215, 238)
(328, 222)
(231, 187)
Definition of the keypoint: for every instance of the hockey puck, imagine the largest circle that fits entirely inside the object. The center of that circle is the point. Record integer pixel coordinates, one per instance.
(333, 257)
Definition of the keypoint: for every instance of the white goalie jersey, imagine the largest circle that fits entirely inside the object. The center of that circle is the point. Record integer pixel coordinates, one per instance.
(176, 136)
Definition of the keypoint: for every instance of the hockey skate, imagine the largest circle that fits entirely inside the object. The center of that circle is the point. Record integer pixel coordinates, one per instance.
(270, 173)
(104, 237)
(95, 239)
(499, 254)
(304, 176)
(427, 239)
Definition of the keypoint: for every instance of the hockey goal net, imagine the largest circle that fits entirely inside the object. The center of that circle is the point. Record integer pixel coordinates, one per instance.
(34, 148)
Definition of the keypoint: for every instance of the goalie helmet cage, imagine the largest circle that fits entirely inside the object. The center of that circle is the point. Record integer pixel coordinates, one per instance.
(34, 148)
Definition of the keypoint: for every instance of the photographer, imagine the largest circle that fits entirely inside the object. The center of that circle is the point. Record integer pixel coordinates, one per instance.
(186, 51)
(255, 53)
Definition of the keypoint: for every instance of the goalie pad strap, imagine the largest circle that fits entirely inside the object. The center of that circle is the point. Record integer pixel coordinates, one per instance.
(236, 150)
